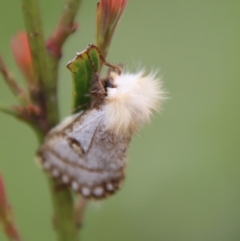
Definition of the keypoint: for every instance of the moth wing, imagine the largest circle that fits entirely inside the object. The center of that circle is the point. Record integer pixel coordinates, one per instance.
(84, 129)
(72, 138)
(65, 153)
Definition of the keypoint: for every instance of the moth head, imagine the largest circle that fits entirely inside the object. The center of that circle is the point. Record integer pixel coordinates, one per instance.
(130, 100)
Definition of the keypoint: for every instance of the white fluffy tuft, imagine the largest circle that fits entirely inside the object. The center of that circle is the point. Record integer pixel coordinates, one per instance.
(131, 103)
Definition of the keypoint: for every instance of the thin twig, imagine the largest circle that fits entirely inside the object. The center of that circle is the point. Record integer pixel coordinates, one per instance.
(12, 83)
(27, 114)
(10, 110)
(64, 28)
(6, 215)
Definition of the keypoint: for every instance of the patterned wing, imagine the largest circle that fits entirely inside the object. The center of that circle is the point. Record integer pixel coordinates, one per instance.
(81, 152)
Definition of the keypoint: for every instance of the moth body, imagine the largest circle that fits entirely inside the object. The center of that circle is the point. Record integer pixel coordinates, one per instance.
(88, 151)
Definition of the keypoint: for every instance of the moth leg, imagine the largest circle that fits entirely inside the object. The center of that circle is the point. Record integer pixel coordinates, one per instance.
(115, 67)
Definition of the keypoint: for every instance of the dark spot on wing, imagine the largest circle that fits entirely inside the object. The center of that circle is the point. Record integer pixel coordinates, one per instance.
(76, 146)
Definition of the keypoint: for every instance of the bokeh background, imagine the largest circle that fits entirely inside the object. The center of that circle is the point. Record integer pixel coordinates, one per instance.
(183, 176)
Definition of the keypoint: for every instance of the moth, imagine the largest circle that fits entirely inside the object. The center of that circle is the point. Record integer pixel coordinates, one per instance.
(88, 150)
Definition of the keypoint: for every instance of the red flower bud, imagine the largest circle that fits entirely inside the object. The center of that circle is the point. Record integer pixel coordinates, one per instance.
(22, 54)
(108, 15)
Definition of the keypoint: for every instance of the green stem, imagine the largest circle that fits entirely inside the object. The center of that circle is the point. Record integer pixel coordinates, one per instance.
(64, 219)
(46, 67)
(45, 76)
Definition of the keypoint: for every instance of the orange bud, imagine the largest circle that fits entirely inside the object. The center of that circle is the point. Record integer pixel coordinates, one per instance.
(108, 15)
(22, 54)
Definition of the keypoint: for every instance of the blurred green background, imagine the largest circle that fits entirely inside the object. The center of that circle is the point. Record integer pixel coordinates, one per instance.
(183, 177)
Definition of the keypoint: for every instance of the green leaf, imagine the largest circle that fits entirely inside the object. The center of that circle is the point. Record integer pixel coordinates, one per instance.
(83, 68)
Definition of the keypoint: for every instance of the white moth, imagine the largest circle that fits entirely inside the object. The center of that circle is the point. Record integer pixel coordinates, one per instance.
(88, 150)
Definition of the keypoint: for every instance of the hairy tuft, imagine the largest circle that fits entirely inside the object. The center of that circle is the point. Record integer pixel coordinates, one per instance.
(130, 103)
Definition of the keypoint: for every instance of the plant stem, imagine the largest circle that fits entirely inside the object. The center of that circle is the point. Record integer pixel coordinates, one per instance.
(9, 110)
(44, 75)
(46, 67)
(6, 215)
(64, 219)
(12, 83)
(64, 28)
